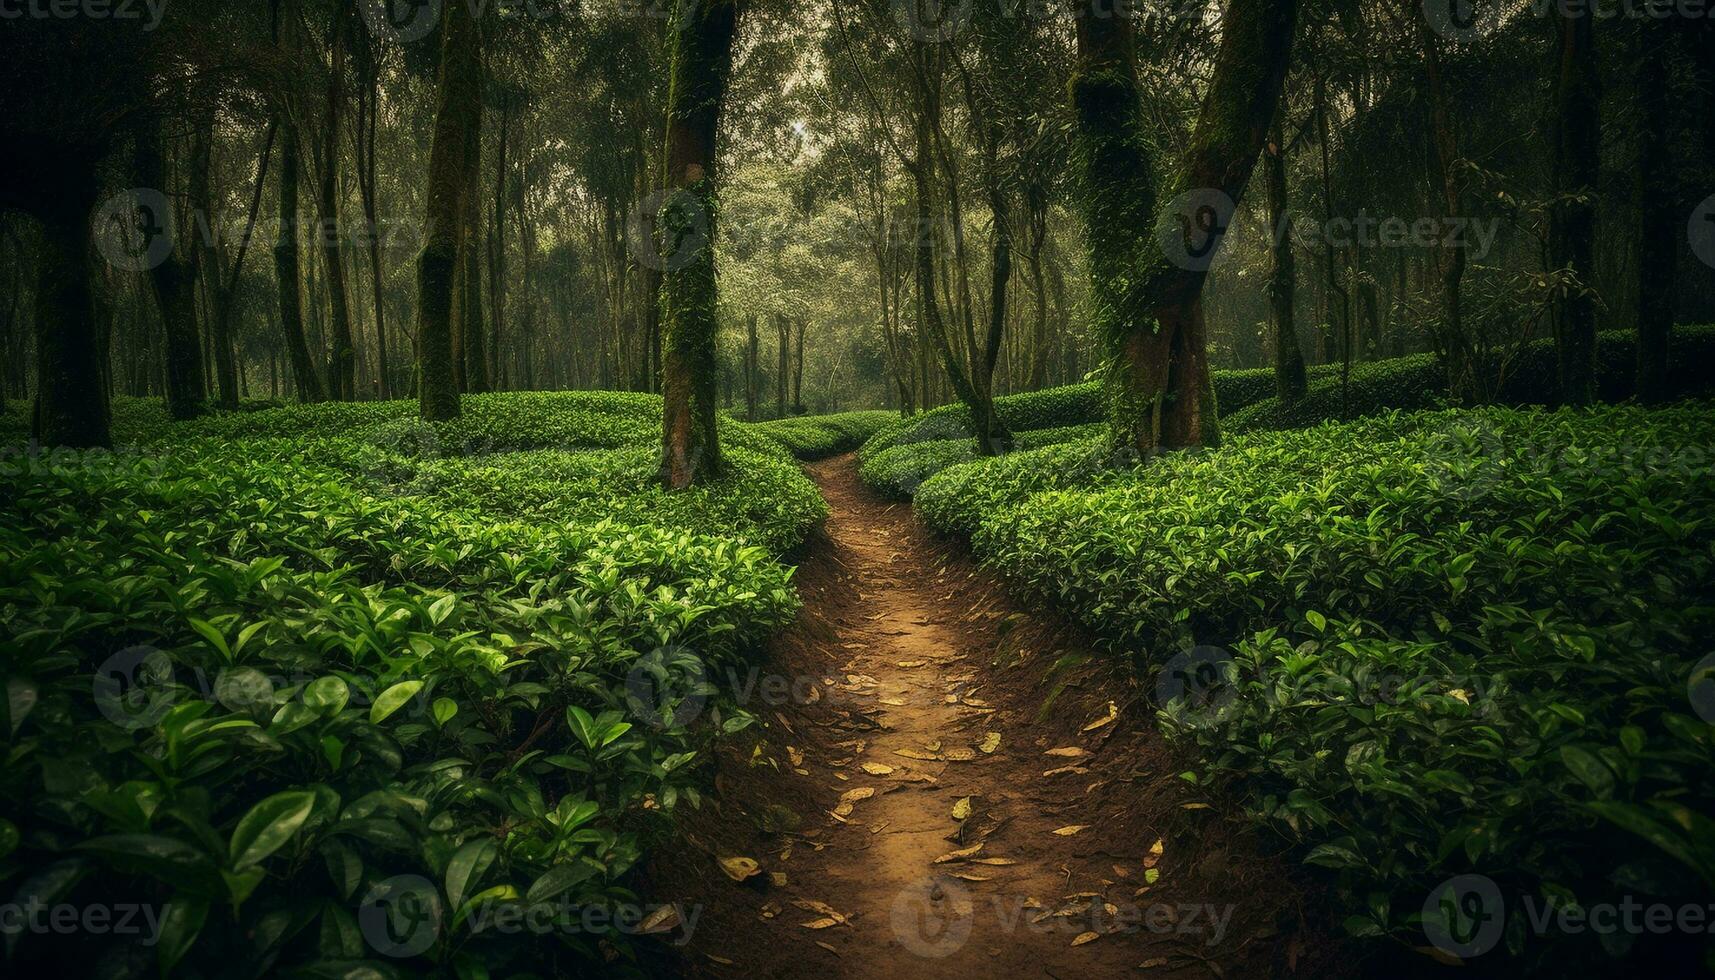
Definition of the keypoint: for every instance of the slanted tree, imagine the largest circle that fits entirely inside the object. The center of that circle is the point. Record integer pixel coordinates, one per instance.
(458, 108)
(702, 56)
(1148, 303)
(1573, 217)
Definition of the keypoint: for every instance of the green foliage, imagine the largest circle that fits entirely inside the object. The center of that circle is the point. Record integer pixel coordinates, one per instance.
(900, 470)
(1531, 378)
(251, 681)
(1050, 408)
(811, 437)
(1458, 641)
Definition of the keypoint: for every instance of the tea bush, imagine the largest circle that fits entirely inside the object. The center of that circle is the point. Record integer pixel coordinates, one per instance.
(1430, 643)
(900, 470)
(811, 437)
(328, 704)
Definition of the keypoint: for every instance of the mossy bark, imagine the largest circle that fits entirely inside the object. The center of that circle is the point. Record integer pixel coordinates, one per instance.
(1148, 306)
(287, 271)
(457, 112)
(702, 58)
(342, 361)
(1290, 380)
(173, 281)
(1658, 246)
(71, 391)
(1573, 220)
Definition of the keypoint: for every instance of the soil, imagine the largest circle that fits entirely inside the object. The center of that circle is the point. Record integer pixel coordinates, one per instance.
(912, 687)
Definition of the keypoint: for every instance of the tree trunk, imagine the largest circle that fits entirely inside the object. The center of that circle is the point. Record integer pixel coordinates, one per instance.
(497, 244)
(342, 362)
(473, 336)
(783, 351)
(71, 385)
(798, 368)
(1148, 304)
(752, 362)
(1450, 261)
(1573, 219)
(172, 279)
(1290, 382)
(701, 69)
(1658, 253)
(458, 111)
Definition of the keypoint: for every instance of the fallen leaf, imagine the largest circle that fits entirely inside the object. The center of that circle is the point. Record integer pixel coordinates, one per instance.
(968, 876)
(894, 702)
(828, 946)
(1152, 875)
(796, 755)
(664, 919)
(876, 769)
(962, 808)
(1156, 849)
(991, 741)
(958, 855)
(1086, 937)
(821, 908)
(1152, 963)
(822, 923)
(740, 868)
(1105, 720)
(1068, 752)
(918, 754)
(994, 861)
(959, 753)
(1194, 806)
(1070, 830)
(912, 664)
(777, 879)
(1078, 770)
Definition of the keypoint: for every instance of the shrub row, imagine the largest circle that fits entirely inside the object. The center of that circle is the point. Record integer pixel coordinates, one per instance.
(899, 470)
(811, 437)
(330, 704)
(1421, 644)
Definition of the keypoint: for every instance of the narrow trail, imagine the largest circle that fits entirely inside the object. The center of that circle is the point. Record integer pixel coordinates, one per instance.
(951, 795)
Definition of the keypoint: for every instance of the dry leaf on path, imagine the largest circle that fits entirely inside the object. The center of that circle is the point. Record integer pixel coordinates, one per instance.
(1105, 720)
(994, 861)
(918, 754)
(1156, 849)
(962, 808)
(1078, 770)
(1068, 752)
(991, 741)
(876, 769)
(740, 868)
(1070, 830)
(1086, 937)
(958, 855)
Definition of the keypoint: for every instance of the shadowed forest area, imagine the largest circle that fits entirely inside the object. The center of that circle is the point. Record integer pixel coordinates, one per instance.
(860, 489)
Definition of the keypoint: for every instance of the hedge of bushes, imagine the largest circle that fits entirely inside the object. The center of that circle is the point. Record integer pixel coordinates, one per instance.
(1532, 378)
(811, 437)
(329, 704)
(899, 470)
(1420, 644)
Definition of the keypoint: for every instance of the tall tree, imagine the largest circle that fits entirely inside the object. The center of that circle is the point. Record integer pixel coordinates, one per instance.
(1290, 381)
(1148, 302)
(171, 278)
(1573, 219)
(458, 111)
(1658, 225)
(342, 362)
(701, 62)
(288, 264)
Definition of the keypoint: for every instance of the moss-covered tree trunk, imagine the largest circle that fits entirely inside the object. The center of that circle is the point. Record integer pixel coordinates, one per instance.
(342, 361)
(702, 58)
(172, 280)
(1290, 382)
(1573, 219)
(71, 388)
(1148, 304)
(472, 332)
(1658, 249)
(288, 268)
(458, 111)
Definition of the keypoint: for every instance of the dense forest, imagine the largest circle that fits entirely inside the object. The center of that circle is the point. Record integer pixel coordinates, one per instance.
(874, 488)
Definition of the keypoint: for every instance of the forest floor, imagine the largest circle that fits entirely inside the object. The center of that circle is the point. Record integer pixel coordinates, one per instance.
(951, 785)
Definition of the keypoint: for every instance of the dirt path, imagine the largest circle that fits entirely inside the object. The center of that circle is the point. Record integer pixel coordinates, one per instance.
(916, 810)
